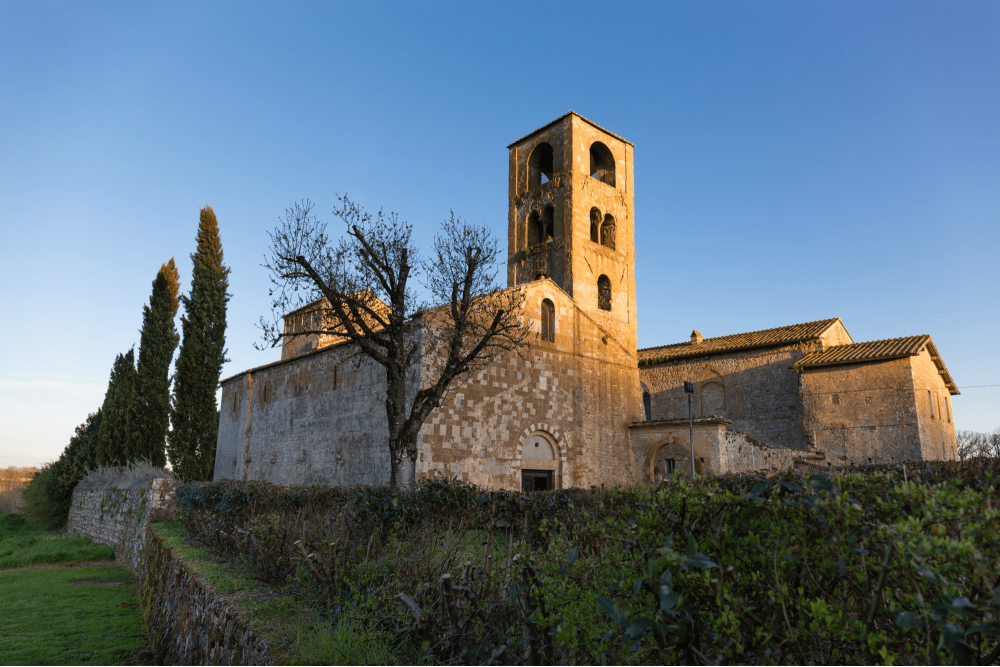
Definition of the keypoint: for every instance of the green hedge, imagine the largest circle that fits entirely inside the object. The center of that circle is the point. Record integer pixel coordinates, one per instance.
(878, 565)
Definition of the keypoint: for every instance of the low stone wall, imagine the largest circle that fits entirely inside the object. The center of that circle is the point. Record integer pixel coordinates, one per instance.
(189, 622)
(117, 515)
(748, 455)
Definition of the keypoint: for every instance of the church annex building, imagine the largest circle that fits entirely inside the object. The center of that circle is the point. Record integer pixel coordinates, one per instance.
(584, 406)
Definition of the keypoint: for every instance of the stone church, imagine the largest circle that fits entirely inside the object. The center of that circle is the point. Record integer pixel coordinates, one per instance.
(581, 405)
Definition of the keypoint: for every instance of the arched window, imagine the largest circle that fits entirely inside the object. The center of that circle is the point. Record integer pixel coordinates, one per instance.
(604, 293)
(534, 229)
(602, 163)
(647, 402)
(595, 225)
(608, 232)
(540, 165)
(548, 321)
(547, 224)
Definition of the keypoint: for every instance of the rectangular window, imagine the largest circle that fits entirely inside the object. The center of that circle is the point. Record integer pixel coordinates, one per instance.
(947, 409)
(670, 466)
(930, 402)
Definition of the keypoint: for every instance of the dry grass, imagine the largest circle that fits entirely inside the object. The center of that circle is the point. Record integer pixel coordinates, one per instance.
(12, 483)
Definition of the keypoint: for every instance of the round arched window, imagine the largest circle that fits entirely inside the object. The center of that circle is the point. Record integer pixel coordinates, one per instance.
(604, 293)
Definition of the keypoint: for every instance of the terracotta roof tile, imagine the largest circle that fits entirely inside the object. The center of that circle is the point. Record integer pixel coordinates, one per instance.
(891, 348)
(767, 338)
(879, 350)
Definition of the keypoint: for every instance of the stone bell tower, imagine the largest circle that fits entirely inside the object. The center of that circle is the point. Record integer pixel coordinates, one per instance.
(571, 218)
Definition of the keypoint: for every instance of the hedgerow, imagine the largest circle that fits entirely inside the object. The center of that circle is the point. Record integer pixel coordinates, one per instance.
(884, 564)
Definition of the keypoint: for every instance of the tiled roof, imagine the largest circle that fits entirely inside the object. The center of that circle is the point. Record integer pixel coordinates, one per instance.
(570, 113)
(879, 350)
(767, 338)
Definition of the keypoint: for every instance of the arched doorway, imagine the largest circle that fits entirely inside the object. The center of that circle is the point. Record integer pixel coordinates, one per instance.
(539, 464)
(673, 458)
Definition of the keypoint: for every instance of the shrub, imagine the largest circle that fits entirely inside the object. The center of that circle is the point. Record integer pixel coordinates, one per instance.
(39, 506)
(885, 563)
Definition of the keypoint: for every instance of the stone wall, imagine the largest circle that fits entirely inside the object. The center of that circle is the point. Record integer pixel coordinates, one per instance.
(745, 454)
(580, 392)
(314, 419)
(189, 622)
(656, 441)
(937, 425)
(320, 418)
(862, 413)
(754, 389)
(117, 515)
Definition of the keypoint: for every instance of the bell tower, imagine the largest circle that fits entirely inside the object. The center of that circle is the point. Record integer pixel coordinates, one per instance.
(570, 218)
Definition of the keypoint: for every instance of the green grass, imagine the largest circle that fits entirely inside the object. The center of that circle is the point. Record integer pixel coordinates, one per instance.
(24, 543)
(225, 580)
(48, 620)
(344, 643)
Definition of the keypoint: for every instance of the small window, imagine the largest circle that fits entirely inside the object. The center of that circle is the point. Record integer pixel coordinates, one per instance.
(535, 229)
(604, 293)
(670, 465)
(595, 225)
(608, 232)
(602, 163)
(540, 165)
(548, 321)
(835, 399)
(546, 225)
(947, 409)
(930, 401)
(647, 405)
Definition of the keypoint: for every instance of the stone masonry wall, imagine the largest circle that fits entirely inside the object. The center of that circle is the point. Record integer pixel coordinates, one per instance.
(862, 413)
(316, 419)
(189, 622)
(937, 426)
(319, 418)
(747, 455)
(118, 515)
(580, 392)
(760, 393)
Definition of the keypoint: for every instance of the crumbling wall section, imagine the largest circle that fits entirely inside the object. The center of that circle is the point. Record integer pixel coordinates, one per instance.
(746, 454)
(118, 515)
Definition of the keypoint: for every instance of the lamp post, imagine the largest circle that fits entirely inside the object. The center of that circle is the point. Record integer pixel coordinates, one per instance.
(689, 390)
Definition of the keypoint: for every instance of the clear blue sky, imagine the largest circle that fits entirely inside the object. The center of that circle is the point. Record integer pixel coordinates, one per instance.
(794, 161)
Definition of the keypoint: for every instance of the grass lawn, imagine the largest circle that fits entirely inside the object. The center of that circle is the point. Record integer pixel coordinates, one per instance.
(64, 615)
(70, 616)
(23, 543)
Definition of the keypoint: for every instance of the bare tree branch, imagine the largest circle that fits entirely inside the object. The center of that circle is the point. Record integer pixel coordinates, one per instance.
(359, 289)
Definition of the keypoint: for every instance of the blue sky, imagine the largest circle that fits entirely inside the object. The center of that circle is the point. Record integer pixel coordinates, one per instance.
(794, 161)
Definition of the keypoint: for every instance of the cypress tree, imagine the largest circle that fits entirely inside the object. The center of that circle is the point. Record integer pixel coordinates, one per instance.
(150, 417)
(193, 415)
(78, 457)
(113, 441)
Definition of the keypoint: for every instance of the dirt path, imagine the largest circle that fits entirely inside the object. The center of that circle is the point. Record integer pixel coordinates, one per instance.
(79, 563)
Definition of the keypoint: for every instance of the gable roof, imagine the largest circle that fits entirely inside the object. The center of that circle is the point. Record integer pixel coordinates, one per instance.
(879, 350)
(570, 113)
(787, 335)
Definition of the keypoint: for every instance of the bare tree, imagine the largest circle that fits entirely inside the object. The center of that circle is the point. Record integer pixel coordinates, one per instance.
(360, 288)
(974, 443)
(968, 443)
